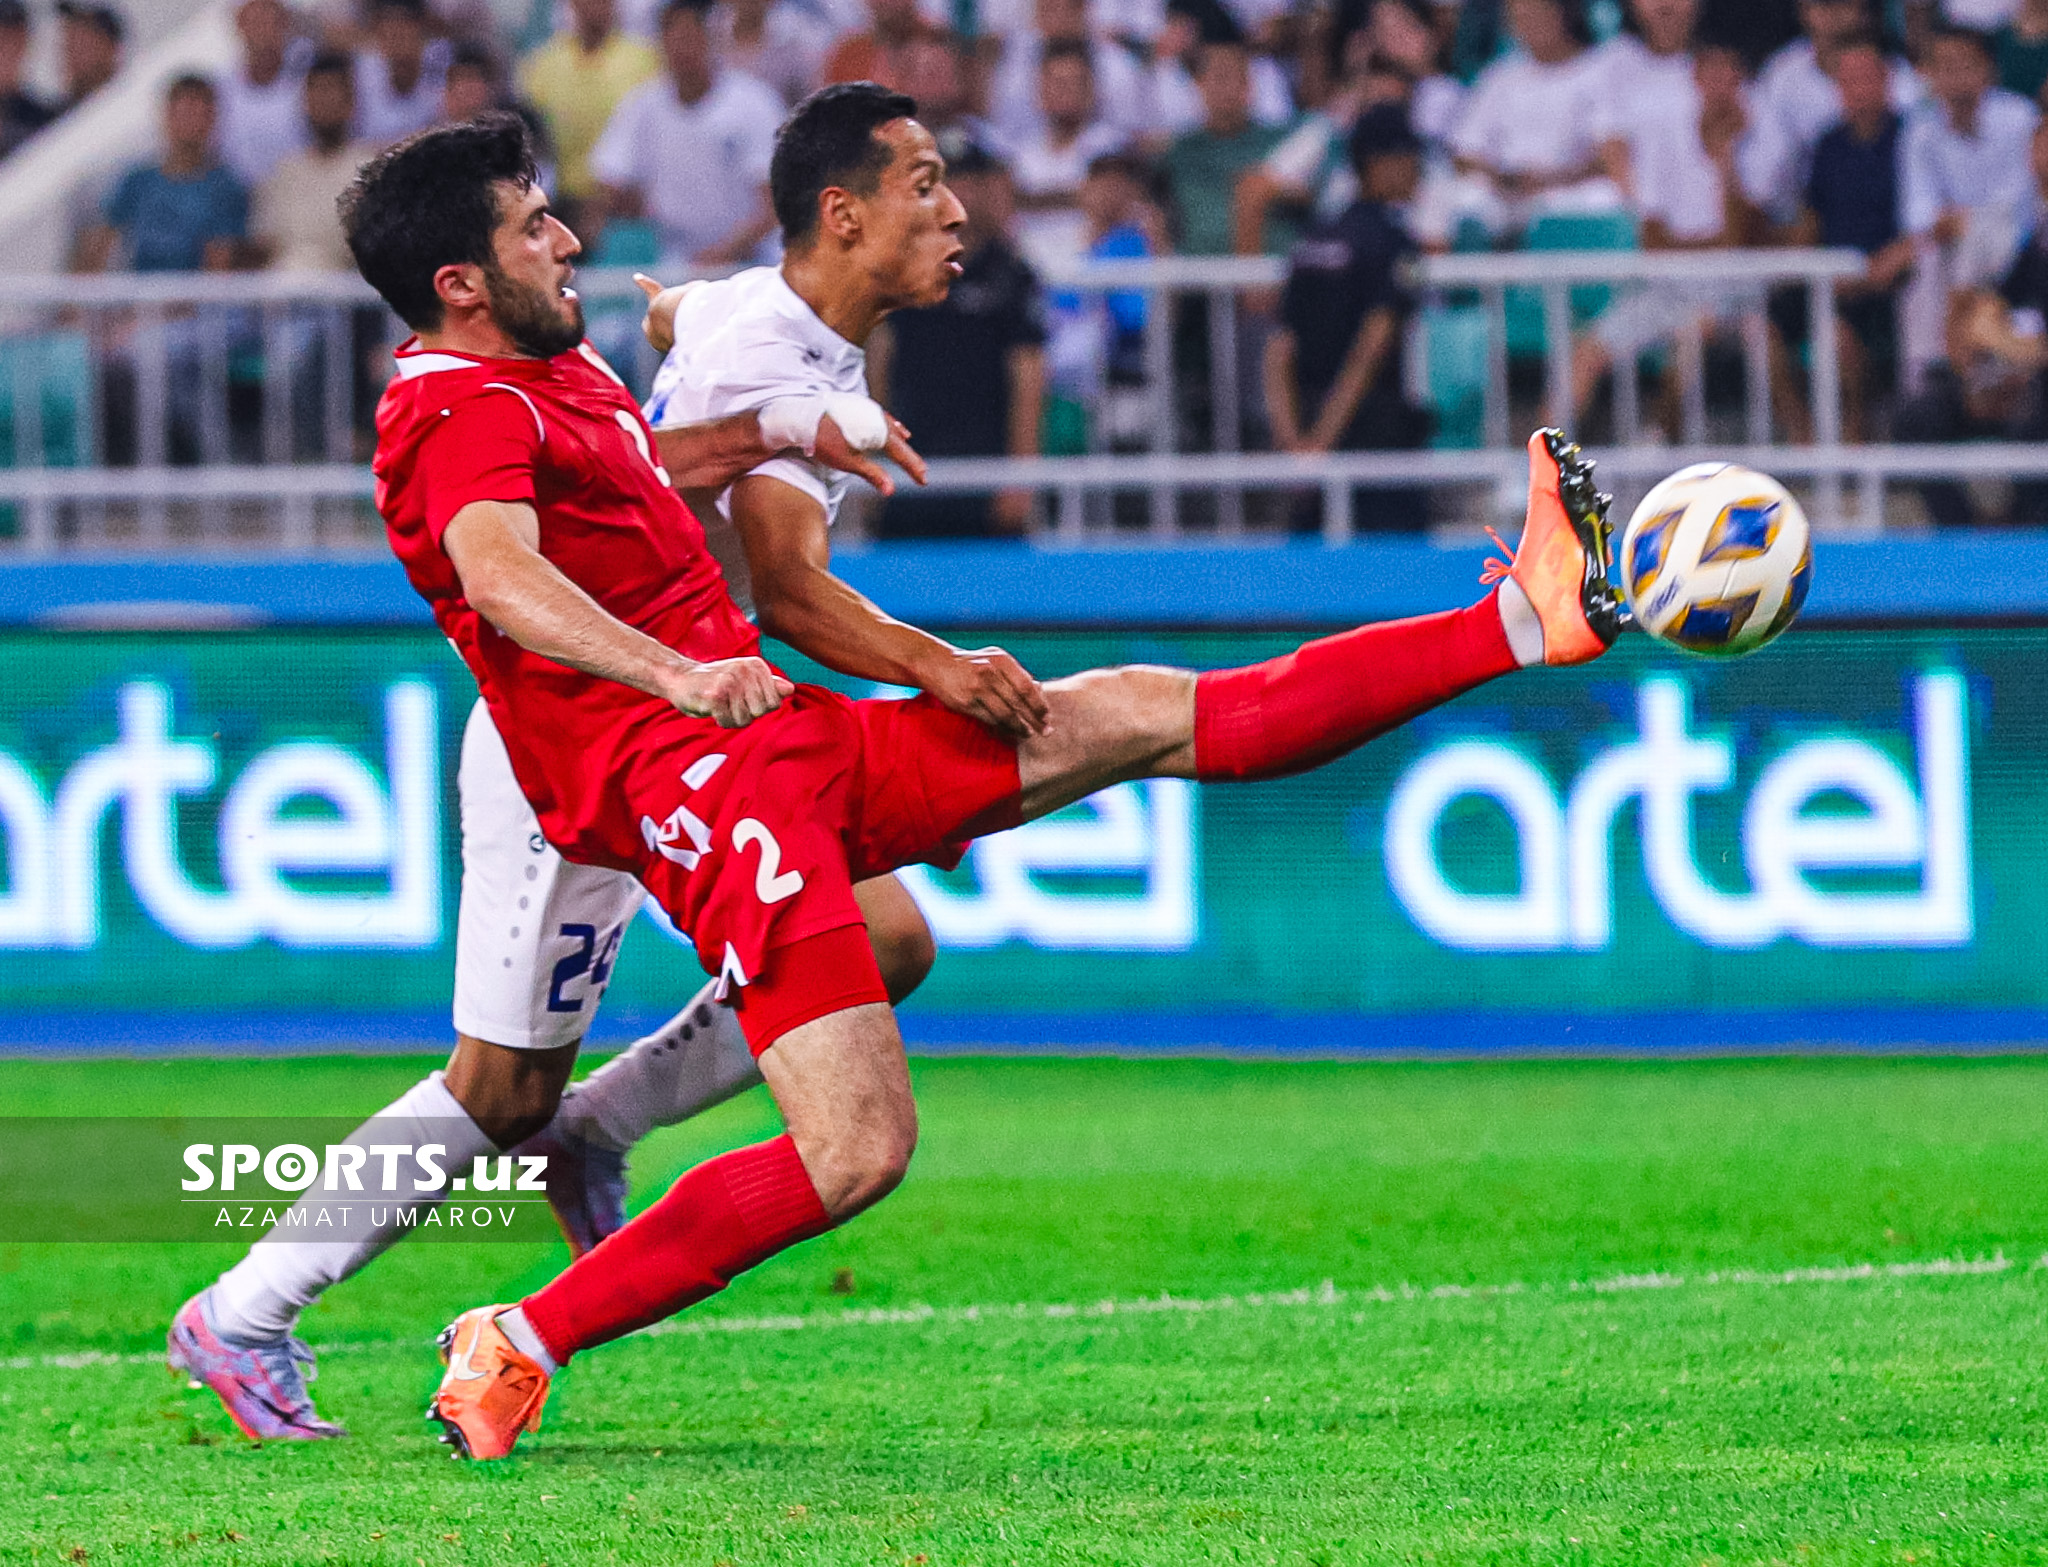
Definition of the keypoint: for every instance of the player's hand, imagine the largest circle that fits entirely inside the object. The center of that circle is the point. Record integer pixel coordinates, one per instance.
(835, 451)
(988, 684)
(733, 691)
(660, 321)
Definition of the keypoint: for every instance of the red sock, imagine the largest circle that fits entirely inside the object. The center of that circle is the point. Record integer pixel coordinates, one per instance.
(720, 1219)
(1327, 697)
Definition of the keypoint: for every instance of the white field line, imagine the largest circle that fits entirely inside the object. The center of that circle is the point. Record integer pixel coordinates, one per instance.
(1325, 1294)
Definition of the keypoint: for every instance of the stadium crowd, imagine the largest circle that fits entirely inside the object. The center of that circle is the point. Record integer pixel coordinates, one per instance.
(1344, 134)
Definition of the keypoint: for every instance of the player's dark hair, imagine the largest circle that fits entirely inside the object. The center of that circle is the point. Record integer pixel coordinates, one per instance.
(191, 82)
(432, 202)
(1066, 49)
(676, 8)
(830, 140)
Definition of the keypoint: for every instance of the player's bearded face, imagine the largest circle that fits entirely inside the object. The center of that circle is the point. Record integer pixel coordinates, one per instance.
(541, 321)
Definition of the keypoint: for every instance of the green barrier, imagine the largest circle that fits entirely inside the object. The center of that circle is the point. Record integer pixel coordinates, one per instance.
(205, 828)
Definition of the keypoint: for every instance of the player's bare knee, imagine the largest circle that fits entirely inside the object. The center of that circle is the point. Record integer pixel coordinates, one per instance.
(860, 1165)
(1133, 712)
(844, 1090)
(509, 1131)
(889, 1152)
(1108, 726)
(519, 1111)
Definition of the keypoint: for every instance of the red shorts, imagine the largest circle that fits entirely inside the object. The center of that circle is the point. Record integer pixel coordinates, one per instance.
(752, 839)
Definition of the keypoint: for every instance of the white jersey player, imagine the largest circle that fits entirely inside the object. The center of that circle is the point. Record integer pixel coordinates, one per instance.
(737, 344)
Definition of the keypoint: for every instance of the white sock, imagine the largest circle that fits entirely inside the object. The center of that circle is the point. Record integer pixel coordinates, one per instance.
(259, 1299)
(514, 1326)
(1518, 619)
(697, 1059)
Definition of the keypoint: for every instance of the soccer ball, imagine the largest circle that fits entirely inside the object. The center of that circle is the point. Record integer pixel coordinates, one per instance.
(1717, 559)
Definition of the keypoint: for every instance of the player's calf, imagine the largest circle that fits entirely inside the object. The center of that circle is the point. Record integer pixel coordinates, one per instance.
(510, 1094)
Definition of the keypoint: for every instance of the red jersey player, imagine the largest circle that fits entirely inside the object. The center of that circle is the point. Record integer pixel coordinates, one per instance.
(518, 484)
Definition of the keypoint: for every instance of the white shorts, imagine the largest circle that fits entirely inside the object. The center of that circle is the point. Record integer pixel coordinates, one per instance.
(536, 935)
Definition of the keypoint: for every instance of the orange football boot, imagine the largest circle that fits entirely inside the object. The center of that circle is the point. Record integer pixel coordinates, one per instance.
(1562, 561)
(491, 1393)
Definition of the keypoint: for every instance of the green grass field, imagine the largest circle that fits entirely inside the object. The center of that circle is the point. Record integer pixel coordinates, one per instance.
(1563, 1312)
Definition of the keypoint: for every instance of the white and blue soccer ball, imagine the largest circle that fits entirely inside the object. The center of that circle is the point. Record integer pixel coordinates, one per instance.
(1717, 559)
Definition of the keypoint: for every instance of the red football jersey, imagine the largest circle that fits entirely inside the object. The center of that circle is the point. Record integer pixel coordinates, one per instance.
(564, 436)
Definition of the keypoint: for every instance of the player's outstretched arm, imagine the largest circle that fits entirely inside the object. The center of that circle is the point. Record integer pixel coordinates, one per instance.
(796, 598)
(495, 549)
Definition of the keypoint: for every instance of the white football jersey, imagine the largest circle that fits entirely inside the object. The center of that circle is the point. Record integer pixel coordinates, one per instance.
(741, 342)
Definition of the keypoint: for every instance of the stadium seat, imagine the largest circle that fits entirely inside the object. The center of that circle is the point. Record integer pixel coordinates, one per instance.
(1454, 356)
(55, 368)
(1565, 231)
(1063, 428)
(628, 242)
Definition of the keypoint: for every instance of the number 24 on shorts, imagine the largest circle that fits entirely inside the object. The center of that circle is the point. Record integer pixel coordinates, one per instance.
(591, 957)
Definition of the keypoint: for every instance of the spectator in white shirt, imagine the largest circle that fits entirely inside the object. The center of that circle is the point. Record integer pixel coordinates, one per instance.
(1796, 99)
(262, 99)
(1646, 82)
(293, 224)
(1688, 197)
(773, 41)
(400, 77)
(1394, 57)
(1528, 140)
(1013, 105)
(1176, 101)
(690, 150)
(1048, 167)
(1964, 176)
(1994, 385)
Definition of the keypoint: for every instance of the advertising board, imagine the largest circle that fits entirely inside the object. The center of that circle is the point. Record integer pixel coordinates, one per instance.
(247, 838)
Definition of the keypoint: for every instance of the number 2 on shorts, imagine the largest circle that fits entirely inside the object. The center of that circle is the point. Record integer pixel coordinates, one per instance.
(768, 886)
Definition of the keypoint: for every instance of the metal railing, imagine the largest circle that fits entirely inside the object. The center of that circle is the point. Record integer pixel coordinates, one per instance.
(298, 495)
(154, 412)
(1749, 275)
(1334, 479)
(1552, 274)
